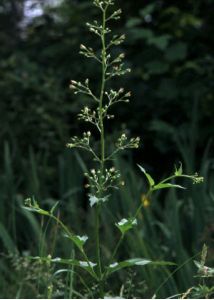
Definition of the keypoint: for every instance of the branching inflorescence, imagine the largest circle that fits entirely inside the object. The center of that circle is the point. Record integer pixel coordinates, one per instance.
(102, 179)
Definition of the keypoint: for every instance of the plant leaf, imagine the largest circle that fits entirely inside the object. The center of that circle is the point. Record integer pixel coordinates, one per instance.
(94, 200)
(79, 241)
(126, 224)
(179, 171)
(37, 210)
(167, 186)
(135, 262)
(88, 266)
(148, 176)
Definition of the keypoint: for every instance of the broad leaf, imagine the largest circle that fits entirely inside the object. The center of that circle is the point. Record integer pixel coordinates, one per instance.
(126, 224)
(94, 200)
(148, 176)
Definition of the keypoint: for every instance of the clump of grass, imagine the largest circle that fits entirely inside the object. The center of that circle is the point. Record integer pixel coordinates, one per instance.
(104, 177)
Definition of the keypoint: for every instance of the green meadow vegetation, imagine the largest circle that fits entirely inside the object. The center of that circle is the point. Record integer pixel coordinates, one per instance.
(123, 208)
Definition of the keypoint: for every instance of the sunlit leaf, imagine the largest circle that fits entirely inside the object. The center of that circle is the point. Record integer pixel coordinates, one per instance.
(179, 171)
(94, 199)
(87, 265)
(126, 224)
(135, 262)
(148, 176)
(167, 186)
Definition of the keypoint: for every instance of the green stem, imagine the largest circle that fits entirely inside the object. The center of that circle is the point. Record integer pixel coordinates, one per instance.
(141, 205)
(69, 233)
(175, 176)
(102, 132)
(113, 255)
(97, 234)
(122, 236)
(102, 150)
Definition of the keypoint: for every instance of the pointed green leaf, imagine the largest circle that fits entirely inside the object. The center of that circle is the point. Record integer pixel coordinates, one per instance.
(179, 171)
(79, 241)
(135, 262)
(148, 176)
(87, 265)
(126, 224)
(37, 210)
(167, 186)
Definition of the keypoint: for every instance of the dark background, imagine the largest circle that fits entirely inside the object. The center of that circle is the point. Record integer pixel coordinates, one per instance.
(169, 47)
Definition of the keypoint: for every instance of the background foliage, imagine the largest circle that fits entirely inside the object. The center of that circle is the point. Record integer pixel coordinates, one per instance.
(169, 47)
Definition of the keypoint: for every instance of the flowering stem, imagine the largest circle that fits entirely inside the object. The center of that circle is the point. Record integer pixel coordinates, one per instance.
(102, 148)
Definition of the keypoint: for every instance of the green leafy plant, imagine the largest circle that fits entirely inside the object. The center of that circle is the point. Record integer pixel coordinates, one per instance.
(104, 176)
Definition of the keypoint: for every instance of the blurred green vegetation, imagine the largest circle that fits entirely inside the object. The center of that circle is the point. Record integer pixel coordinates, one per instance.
(169, 47)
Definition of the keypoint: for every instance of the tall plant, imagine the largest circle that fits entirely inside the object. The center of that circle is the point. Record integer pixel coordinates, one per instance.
(103, 177)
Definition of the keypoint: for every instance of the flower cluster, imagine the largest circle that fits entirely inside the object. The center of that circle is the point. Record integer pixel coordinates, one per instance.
(116, 40)
(82, 88)
(88, 52)
(124, 143)
(90, 116)
(101, 182)
(103, 3)
(98, 29)
(83, 142)
(117, 70)
(103, 179)
(117, 96)
(197, 179)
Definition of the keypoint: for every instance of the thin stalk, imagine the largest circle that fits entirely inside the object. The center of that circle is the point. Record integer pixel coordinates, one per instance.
(149, 193)
(122, 237)
(102, 132)
(176, 176)
(114, 254)
(69, 233)
(97, 234)
(102, 150)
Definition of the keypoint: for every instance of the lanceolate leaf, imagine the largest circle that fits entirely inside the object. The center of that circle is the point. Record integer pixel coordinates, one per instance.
(135, 262)
(37, 210)
(167, 186)
(148, 176)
